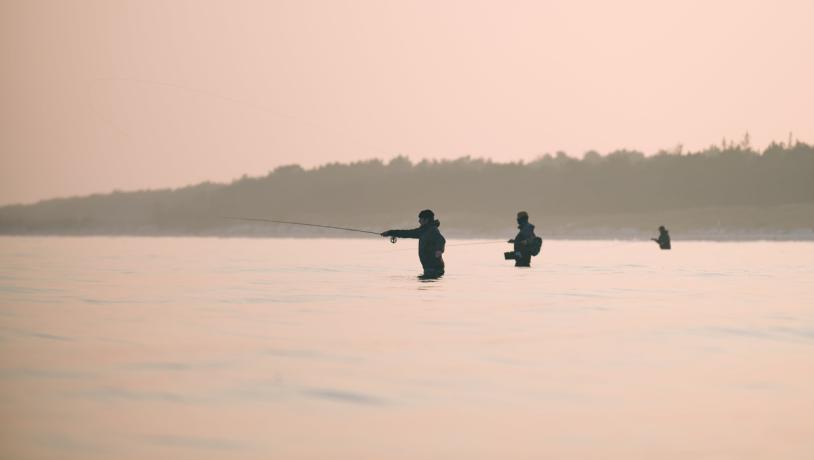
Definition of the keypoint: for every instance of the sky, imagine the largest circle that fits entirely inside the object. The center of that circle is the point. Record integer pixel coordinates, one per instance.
(124, 95)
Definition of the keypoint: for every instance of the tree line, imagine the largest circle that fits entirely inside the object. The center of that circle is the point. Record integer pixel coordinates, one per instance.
(729, 188)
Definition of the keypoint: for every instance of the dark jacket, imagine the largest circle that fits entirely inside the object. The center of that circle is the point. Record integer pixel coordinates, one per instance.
(663, 240)
(429, 241)
(524, 239)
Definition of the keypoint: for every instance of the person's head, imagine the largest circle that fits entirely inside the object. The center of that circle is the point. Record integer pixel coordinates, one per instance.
(662, 229)
(425, 217)
(522, 217)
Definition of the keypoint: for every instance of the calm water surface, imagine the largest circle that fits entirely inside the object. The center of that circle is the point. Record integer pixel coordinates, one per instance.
(136, 348)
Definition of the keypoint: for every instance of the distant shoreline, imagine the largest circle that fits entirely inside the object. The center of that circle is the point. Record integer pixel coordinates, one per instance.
(730, 193)
(796, 236)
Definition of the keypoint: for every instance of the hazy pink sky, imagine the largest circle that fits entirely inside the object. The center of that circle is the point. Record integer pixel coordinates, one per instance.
(99, 95)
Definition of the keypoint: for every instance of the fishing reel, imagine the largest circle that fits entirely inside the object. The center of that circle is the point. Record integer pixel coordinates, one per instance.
(393, 239)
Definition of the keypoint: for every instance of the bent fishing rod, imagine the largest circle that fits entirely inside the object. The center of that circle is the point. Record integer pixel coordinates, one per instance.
(287, 222)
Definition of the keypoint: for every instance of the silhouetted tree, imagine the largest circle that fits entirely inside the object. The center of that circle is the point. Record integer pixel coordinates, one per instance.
(731, 185)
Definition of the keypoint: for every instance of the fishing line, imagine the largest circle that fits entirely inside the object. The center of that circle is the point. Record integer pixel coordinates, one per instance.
(446, 246)
(477, 243)
(304, 224)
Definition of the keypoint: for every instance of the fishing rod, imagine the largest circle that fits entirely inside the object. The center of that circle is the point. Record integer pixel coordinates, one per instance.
(287, 222)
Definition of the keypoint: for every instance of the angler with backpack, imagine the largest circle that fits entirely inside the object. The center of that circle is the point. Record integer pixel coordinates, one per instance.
(526, 243)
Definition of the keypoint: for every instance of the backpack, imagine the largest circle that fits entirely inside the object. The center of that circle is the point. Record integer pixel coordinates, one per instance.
(536, 245)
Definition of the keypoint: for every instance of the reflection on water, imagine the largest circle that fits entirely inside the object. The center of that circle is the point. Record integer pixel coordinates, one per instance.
(209, 348)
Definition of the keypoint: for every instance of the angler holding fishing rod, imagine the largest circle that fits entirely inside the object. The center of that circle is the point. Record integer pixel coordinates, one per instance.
(431, 243)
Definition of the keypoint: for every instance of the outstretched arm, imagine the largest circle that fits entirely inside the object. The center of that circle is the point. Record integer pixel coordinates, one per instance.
(414, 233)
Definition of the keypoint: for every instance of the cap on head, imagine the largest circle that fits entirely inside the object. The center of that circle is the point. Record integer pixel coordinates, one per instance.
(426, 214)
(523, 215)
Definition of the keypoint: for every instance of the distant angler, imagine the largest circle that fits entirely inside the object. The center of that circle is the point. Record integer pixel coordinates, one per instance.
(664, 238)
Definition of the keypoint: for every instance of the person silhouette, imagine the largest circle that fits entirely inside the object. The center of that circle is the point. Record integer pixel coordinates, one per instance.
(524, 241)
(431, 243)
(664, 238)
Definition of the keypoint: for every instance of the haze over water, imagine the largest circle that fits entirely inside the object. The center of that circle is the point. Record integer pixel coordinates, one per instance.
(184, 348)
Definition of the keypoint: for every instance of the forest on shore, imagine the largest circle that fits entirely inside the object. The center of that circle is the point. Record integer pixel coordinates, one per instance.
(729, 192)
